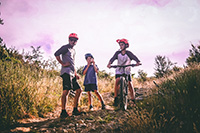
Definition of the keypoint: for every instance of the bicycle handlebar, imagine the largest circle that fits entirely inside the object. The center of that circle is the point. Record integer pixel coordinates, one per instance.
(132, 65)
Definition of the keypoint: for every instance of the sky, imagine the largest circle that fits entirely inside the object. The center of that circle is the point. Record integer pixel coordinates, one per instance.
(152, 27)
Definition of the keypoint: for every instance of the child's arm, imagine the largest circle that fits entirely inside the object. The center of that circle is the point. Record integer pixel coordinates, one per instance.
(85, 71)
(109, 65)
(132, 56)
(113, 58)
(95, 67)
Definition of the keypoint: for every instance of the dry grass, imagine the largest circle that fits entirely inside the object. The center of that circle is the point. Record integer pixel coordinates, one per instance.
(26, 90)
(31, 91)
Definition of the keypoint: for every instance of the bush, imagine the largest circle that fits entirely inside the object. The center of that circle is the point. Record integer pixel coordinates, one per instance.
(162, 66)
(177, 102)
(142, 76)
(194, 55)
(26, 91)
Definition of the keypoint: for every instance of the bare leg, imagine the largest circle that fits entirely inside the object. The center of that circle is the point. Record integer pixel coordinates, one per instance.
(116, 87)
(98, 95)
(64, 98)
(89, 98)
(77, 97)
(131, 89)
(100, 98)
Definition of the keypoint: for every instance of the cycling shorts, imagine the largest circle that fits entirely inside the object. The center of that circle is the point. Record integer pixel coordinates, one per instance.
(118, 75)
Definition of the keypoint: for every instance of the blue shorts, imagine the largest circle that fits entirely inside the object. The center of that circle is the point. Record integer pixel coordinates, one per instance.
(118, 75)
(91, 87)
(69, 82)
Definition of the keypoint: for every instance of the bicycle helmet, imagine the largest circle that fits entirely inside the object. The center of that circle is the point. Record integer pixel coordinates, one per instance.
(73, 35)
(125, 41)
(88, 55)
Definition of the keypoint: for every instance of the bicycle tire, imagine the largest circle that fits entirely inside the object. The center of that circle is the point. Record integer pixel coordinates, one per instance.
(123, 94)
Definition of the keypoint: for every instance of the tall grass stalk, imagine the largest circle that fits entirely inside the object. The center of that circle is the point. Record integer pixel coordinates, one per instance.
(26, 91)
(176, 106)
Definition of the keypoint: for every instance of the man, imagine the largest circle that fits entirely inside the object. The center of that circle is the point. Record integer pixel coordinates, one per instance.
(68, 74)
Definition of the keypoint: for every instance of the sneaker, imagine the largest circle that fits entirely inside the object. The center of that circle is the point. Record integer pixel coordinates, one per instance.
(64, 114)
(91, 108)
(76, 112)
(115, 102)
(103, 106)
(133, 100)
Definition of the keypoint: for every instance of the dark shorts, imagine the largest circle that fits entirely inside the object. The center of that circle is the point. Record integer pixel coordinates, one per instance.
(69, 82)
(118, 75)
(91, 87)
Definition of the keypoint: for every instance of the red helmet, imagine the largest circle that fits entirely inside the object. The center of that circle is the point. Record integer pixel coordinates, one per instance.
(73, 35)
(125, 41)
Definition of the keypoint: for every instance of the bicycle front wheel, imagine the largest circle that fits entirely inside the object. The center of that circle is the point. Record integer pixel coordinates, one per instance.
(123, 94)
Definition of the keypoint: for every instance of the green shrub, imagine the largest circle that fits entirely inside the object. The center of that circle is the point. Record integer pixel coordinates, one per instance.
(177, 102)
(26, 91)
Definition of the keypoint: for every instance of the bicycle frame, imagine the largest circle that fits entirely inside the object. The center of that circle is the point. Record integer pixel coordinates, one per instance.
(123, 86)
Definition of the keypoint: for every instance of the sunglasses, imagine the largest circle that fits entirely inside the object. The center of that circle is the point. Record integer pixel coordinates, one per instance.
(73, 39)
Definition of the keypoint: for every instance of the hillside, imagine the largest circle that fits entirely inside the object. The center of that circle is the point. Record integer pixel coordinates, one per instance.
(108, 120)
(31, 91)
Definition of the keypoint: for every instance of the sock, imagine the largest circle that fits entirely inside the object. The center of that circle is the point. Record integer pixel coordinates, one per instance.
(75, 108)
(116, 98)
(63, 110)
(91, 106)
(102, 103)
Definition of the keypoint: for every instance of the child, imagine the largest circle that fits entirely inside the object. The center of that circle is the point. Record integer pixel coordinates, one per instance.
(90, 81)
(123, 57)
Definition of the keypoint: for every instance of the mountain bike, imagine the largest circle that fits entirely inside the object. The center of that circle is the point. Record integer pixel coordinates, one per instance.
(123, 91)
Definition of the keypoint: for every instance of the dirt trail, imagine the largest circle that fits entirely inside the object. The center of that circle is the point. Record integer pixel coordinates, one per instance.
(108, 120)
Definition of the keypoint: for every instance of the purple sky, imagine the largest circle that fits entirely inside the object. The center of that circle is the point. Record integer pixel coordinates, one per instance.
(153, 27)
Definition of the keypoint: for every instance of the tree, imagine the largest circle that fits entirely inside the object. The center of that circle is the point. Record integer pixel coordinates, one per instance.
(142, 75)
(194, 55)
(1, 22)
(104, 74)
(35, 57)
(162, 66)
(9, 54)
(80, 70)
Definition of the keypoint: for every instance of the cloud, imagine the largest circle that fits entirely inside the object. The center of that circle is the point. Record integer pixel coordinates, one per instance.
(45, 41)
(156, 3)
(153, 27)
(22, 8)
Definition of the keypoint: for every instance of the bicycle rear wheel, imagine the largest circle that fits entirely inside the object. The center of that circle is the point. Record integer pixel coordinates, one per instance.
(123, 94)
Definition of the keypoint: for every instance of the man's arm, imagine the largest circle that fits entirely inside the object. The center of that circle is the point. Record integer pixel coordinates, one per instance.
(76, 75)
(62, 50)
(61, 62)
